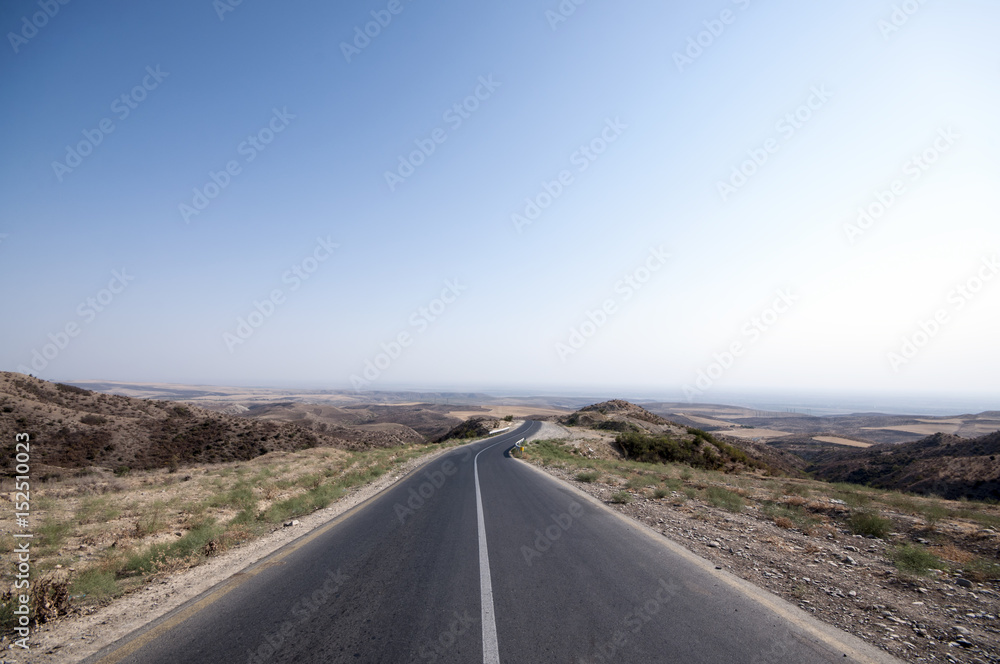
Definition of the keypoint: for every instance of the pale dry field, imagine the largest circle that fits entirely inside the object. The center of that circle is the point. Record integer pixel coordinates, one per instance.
(922, 429)
(514, 411)
(836, 440)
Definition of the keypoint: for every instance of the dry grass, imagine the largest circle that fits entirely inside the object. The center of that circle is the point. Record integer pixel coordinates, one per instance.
(110, 534)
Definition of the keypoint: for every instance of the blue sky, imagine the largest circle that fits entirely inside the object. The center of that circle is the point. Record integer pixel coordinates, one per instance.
(443, 275)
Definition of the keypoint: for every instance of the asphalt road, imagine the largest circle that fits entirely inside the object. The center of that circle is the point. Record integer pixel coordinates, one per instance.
(477, 557)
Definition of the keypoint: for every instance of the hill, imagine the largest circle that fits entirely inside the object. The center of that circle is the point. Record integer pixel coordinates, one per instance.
(941, 464)
(645, 436)
(77, 428)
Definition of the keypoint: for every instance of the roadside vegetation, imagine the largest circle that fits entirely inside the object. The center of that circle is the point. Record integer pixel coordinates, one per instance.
(912, 525)
(101, 534)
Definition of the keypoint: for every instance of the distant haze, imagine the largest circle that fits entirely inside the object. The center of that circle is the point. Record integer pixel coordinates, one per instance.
(679, 201)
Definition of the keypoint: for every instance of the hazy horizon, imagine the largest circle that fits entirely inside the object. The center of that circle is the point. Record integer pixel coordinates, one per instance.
(737, 198)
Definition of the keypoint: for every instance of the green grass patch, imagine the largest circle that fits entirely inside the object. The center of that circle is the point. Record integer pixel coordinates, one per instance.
(724, 498)
(660, 492)
(97, 510)
(95, 584)
(933, 512)
(588, 476)
(982, 569)
(159, 556)
(786, 515)
(52, 533)
(152, 521)
(914, 559)
(637, 482)
(869, 524)
(622, 497)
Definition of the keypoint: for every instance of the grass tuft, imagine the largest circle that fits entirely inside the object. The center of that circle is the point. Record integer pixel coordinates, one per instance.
(724, 498)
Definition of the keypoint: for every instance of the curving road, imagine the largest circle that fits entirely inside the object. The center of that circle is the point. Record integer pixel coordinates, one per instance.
(478, 557)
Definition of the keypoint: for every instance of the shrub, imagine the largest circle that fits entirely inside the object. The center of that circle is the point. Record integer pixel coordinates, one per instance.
(95, 584)
(869, 524)
(622, 497)
(982, 569)
(914, 559)
(660, 492)
(637, 482)
(588, 476)
(93, 419)
(724, 498)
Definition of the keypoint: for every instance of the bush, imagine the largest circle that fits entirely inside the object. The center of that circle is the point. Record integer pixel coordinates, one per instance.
(660, 492)
(914, 559)
(95, 584)
(982, 569)
(637, 482)
(588, 476)
(869, 524)
(724, 498)
(93, 419)
(622, 498)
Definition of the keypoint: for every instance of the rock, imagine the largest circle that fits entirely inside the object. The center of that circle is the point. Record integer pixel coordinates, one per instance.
(848, 560)
(851, 548)
(961, 630)
(293, 522)
(713, 544)
(852, 593)
(964, 583)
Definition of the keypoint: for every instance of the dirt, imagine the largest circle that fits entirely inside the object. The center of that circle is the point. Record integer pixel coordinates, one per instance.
(75, 637)
(845, 580)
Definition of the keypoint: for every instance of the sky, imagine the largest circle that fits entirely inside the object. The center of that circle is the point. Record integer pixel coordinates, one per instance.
(678, 200)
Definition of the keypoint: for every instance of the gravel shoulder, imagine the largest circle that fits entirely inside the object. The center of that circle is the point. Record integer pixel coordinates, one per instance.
(845, 580)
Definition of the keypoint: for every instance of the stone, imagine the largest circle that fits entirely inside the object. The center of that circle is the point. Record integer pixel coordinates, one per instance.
(964, 583)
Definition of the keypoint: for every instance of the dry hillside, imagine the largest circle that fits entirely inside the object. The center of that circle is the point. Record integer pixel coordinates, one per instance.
(642, 435)
(77, 428)
(943, 465)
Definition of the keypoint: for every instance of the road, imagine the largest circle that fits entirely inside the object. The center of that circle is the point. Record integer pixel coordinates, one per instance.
(477, 557)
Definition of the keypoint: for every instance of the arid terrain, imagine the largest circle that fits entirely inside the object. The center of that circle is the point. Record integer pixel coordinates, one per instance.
(141, 487)
(918, 577)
